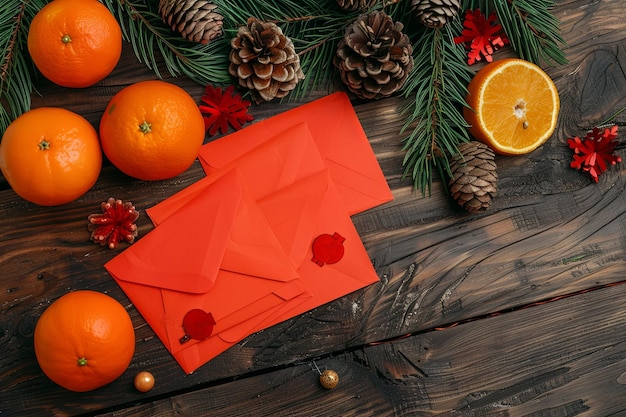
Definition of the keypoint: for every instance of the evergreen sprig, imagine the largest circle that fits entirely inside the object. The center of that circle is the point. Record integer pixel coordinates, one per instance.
(532, 30)
(436, 88)
(314, 27)
(530, 25)
(156, 45)
(437, 85)
(16, 69)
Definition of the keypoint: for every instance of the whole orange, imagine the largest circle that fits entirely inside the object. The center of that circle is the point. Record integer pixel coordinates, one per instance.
(50, 156)
(152, 130)
(75, 43)
(84, 340)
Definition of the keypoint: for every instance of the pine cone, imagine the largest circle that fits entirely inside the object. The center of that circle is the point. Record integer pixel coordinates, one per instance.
(374, 57)
(264, 60)
(196, 20)
(474, 176)
(356, 4)
(435, 13)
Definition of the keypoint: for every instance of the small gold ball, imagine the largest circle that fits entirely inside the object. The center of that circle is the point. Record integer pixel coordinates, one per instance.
(144, 381)
(329, 379)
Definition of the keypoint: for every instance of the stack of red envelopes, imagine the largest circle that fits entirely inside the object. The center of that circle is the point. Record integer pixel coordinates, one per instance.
(265, 236)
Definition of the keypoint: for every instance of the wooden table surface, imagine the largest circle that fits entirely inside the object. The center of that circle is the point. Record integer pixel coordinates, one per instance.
(517, 311)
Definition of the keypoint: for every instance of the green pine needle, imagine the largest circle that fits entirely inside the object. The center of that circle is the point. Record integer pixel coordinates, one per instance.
(532, 30)
(437, 88)
(159, 48)
(16, 69)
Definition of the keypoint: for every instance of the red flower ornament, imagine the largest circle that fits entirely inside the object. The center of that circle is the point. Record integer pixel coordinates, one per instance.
(223, 108)
(482, 36)
(595, 152)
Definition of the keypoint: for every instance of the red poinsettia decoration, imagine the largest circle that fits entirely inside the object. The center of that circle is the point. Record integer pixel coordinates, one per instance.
(223, 108)
(594, 153)
(481, 35)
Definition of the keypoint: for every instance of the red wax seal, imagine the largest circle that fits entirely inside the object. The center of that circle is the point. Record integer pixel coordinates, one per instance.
(197, 324)
(328, 249)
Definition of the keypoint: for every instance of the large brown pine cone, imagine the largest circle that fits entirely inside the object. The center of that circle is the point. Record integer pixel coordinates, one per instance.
(264, 60)
(435, 13)
(374, 57)
(196, 20)
(474, 176)
(356, 4)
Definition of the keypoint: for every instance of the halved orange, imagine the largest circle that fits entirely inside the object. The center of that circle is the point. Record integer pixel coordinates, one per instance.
(514, 106)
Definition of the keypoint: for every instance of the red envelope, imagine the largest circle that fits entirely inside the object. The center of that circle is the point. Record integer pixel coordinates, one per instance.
(304, 198)
(340, 140)
(281, 160)
(291, 184)
(217, 254)
(299, 214)
(320, 212)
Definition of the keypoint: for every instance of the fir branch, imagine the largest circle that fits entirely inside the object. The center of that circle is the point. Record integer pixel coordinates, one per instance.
(532, 29)
(16, 70)
(236, 15)
(314, 27)
(156, 45)
(317, 46)
(437, 86)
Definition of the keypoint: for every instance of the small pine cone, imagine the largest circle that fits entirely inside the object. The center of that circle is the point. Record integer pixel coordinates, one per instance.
(435, 13)
(474, 176)
(353, 5)
(196, 20)
(374, 57)
(264, 60)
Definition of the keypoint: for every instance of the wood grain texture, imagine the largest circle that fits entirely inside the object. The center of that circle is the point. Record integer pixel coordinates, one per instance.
(550, 231)
(531, 362)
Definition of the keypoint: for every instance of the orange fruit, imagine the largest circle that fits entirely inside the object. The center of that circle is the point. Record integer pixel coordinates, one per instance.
(50, 156)
(84, 340)
(75, 43)
(514, 106)
(152, 130)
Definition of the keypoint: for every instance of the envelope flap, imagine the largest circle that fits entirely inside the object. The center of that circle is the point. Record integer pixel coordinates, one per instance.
(348, 154)
(293, 213)
(270, 164)
(340, 140)
(281, 160)
(189, 263)
(235, 298)
(252, 246)
(233, 329)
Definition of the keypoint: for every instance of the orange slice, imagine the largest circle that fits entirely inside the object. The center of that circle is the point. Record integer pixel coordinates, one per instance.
(514, 106)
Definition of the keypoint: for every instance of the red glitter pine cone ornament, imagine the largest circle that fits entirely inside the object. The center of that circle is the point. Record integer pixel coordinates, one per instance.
(115, 224)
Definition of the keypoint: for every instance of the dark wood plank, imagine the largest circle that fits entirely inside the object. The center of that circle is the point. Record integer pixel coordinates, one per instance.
(534, 361)
(550, 231)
